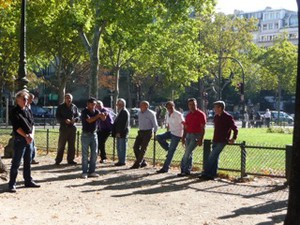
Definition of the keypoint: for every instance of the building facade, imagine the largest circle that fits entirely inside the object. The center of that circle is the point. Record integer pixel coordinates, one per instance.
(272, 23)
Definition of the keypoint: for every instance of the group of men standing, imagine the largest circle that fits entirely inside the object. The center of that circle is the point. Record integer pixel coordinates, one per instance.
(97, 125)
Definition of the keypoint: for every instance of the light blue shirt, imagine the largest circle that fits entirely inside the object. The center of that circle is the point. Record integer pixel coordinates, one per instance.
(147, 120)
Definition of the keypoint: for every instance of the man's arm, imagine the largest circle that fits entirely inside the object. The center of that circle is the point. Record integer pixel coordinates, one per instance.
(92, 119)
(234, 129)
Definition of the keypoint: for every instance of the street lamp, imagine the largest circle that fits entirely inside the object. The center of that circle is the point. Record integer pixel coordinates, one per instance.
(22, 79)
(242, 90)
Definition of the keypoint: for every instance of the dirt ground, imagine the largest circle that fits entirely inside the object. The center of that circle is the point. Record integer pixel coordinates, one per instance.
(128, 197)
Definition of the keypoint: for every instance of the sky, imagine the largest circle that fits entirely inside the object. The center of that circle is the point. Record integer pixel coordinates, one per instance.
(228, 6)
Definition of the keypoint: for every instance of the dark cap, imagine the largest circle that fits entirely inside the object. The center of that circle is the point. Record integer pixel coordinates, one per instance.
(220, 103)
(92, 100)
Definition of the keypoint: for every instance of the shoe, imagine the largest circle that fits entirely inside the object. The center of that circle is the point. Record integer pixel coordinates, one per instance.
(120, 164)
(144, 164)
(34, 162)
(204, 177)
(103, 161)
(56, 163)
(84, 176)
(12, 189)
(135, 166)
(183, 174)
(161, 171)
(93, 175)
(72, 163)
(32, 184)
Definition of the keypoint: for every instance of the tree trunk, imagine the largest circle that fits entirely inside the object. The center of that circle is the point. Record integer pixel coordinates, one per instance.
(278, 104)
(129, 102)
(293, 213)
(117, 88)
(62, 90)
(93, 50)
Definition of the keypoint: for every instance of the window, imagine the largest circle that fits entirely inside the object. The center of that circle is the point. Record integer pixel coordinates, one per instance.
(265, 27)
(276, 26)
(271, 26)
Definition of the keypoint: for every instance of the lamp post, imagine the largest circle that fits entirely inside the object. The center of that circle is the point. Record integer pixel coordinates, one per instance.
(22, 79)
(242, 85)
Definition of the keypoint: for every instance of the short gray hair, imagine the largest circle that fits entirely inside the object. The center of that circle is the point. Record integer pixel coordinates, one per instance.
(70, 95)
(146, 103)
(123, 101)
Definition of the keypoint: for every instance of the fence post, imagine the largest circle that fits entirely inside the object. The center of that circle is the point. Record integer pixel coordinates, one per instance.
(154, 150)
(206, 151)
(114, 149)
(243, 159)
(47, 141)
(78, 136)
(288, 161)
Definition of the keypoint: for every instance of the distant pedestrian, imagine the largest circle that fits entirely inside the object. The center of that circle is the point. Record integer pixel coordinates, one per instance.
(267, 117)
(22, 123)
(90, 117)
(67, 115)
(224, 125)
(147, 125)
(30, 100)
(174, 122)
(121, 130)
(194, 130)
(104, 130)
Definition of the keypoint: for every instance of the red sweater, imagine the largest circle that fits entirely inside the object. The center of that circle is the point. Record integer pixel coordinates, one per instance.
(224, 124)
(195, 121)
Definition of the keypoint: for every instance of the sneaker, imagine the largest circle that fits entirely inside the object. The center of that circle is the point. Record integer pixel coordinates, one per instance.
(34, 162)
(120, 164)
(72, 163)
(161, 171)
(93, 175)
(182, 174)
(103, 161)
(84, 176)
(205, 178)
(12, 189)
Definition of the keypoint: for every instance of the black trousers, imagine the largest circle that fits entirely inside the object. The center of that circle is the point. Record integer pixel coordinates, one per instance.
(102, 138)
(140, 145)
(66, 134)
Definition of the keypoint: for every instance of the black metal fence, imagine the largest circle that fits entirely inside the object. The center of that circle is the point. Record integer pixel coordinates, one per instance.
(240, 159)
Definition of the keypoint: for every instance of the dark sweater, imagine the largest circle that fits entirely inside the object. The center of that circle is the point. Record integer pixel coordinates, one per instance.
(121, 124)
(224, 124)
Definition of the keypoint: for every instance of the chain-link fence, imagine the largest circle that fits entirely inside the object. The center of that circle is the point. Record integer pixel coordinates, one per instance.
(240, 159)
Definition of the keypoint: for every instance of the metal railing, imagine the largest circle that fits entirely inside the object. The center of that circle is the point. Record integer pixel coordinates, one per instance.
(239, 158)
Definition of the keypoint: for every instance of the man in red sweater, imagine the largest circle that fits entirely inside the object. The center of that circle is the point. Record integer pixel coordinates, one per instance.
(224, 124)
(194, 129)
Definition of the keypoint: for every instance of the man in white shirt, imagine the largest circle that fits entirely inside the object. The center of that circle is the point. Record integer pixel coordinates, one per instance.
(174, 122)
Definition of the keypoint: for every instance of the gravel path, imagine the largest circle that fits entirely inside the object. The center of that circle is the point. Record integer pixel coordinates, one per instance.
(133, 197)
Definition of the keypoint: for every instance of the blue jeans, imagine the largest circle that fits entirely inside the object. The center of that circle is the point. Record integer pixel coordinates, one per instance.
(21, 150)
(190, 145)
(89, 140)
(170, 147)
(122, 145)
(211, 166)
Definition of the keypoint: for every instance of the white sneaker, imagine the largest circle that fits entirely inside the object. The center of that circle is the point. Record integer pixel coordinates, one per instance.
(93, 175)
(84, 176)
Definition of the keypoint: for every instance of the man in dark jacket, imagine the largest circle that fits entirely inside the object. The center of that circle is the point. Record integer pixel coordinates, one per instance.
(121, 130)
(22, 122)
(67, 115)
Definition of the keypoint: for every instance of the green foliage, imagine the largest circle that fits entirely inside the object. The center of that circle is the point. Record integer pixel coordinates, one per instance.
(278, 66)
